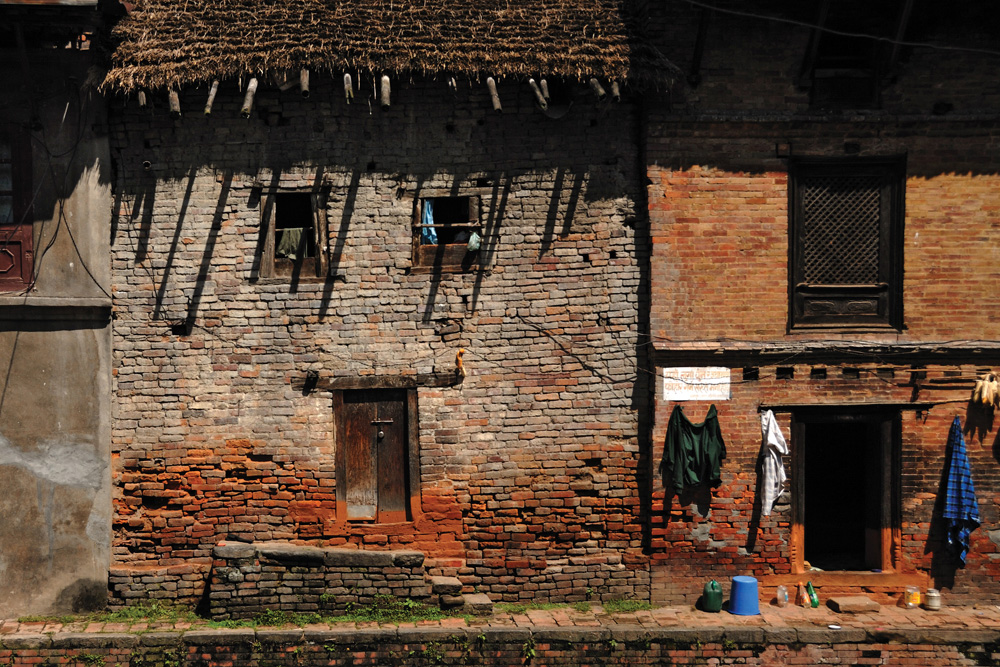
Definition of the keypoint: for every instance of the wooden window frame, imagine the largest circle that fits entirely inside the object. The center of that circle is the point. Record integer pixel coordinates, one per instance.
(441, 257)
(889, 424)
(16, 238)
(412, 455)
(313, 269)
(807, 301)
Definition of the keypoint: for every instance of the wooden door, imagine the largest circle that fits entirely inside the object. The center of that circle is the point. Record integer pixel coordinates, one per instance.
(372, 457)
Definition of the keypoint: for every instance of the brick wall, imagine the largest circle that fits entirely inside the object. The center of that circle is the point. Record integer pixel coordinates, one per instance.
(717, 155)
(512, 646)
(528, 483)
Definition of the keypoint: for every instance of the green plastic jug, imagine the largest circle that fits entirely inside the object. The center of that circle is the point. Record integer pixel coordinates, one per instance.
(711, 598)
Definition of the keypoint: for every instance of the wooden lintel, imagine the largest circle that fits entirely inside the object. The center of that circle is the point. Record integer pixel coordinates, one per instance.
(494, 96)
(450, 379)
(348, 89)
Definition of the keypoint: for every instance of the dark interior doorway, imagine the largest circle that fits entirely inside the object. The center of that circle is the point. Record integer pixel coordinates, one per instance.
(843, 494)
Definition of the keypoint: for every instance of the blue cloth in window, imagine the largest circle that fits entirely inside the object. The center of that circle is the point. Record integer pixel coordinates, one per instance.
(961, 511)
(428, 235)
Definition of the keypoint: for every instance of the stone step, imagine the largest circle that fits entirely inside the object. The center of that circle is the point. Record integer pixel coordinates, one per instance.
(446, 585)
(479, 604)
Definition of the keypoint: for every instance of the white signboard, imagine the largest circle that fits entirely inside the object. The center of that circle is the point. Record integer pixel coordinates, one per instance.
(702, 383)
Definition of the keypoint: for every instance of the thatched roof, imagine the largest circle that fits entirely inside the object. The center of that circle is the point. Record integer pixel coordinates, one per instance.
(181, 42)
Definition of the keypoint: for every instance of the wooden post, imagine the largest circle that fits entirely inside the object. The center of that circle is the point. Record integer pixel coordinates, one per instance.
(211, 97)
(545, 90)
(452, 85)
(598, 89)
(616, 92)
(175, 104)
(142, 99)
(542, 102)
(494, 97)
(384, 93)
(248, 99)
(348, 88)
(304, 82)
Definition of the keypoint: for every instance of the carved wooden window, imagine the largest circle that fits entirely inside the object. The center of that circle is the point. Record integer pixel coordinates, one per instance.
(294, 225)
(846, 245)
(447, 234)
(845, 489)
(376, 454)
(16, 255)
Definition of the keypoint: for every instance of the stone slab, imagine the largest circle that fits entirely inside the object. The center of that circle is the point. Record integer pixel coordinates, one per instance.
(853, 604)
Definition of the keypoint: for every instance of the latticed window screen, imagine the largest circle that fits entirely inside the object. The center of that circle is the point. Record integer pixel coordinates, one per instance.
(840, 229)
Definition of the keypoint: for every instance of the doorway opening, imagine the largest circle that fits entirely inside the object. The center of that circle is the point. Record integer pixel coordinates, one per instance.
(845, 497)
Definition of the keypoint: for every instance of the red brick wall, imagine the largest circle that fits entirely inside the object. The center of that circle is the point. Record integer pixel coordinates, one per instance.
(717, 156)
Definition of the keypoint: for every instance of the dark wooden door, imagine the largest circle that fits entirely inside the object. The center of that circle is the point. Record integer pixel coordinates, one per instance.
(372, 438)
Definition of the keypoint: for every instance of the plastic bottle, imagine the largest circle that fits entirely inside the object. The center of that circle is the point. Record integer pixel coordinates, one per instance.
(813, 598)
(911, 597)
(782, 596)
(802, 599)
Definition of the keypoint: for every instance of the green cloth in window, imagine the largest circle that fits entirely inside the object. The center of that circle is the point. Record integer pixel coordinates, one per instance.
(693, 453)
(289, 242)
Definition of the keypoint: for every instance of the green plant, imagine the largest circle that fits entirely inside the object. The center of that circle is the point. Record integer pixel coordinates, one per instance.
(728, 644)
(581, 606)
(389, 609)
(625, 606)
(91, 659)
(434, 653)
(327, 598)
(528, 649)
(590, 593)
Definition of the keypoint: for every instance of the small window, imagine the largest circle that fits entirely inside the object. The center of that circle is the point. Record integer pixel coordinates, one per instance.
(446, 234)
(16, 256)
(295, 229)
(376, 458)
(846, 246)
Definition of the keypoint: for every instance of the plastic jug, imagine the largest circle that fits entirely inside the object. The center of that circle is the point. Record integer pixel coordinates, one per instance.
(711, 598)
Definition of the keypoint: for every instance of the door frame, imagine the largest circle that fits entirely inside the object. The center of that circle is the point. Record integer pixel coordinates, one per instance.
(412, 454)
(889, 423)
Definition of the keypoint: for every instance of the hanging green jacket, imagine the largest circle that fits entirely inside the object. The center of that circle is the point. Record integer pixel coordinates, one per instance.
(693, 452)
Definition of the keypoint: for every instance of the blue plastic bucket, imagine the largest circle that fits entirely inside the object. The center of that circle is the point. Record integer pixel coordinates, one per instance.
(743, 599)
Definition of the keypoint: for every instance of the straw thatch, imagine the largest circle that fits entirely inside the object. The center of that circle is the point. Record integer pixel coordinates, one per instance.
(166, 43)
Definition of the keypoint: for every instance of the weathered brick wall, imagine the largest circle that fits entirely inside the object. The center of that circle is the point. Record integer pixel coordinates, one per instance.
(531, 462)
(507, 647)
(701, 536)
(718, 200)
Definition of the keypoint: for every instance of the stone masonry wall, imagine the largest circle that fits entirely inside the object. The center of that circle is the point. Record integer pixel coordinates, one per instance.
(528, 470)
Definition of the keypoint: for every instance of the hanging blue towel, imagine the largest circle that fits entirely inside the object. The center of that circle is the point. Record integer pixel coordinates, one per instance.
(428, 235)
(961, 511)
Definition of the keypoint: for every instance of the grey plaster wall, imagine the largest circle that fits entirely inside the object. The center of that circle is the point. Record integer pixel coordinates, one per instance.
(55, 504)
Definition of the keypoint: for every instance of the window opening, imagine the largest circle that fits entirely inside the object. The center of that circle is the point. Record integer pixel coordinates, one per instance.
(447, 234)
(294, 224)
(846, 226)
(294, 230)
(16, 243)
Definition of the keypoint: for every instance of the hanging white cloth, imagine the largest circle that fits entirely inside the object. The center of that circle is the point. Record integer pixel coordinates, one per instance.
(772, 448)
